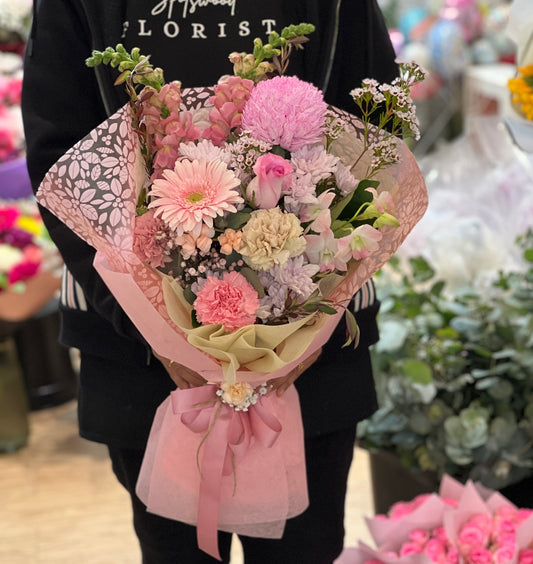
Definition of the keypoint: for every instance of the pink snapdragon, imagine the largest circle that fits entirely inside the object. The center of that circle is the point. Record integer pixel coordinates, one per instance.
(176, 129)
(158, 106)
(273, 178)
(230, 301)
(229, 100)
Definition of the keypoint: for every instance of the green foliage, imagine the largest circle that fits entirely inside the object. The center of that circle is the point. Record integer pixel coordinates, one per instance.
(454, 375)
(132, 66)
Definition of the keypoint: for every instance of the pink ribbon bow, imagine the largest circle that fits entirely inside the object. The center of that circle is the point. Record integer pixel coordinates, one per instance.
(228, 434)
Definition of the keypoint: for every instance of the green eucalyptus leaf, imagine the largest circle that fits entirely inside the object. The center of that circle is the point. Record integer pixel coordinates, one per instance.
(417, 371)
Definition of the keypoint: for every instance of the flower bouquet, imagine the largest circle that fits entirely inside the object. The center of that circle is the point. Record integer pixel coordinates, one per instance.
(463, 523)
(234, 224)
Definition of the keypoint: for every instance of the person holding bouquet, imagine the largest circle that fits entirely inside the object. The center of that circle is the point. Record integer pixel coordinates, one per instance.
(122, 382)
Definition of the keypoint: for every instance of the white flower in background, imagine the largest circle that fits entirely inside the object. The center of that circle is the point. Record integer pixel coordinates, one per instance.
(15, 16)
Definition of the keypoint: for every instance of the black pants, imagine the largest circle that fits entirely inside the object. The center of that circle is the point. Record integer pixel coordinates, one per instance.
(315, 537)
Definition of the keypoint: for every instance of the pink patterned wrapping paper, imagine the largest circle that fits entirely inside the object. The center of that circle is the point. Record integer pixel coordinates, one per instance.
(93, 189)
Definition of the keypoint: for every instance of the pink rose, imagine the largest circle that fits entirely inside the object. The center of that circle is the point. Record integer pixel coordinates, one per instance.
(419, 536)
(504, 554)
(525, 556)
(400, 509)
(480, 556)
(452, 557)
(409, 548)
(435, 550)
(273, 177)
(472, 536)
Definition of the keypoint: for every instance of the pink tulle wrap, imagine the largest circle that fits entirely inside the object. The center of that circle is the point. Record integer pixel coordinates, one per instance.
(93, 189)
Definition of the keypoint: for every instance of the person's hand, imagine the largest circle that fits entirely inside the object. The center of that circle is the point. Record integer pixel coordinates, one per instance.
(281, 385)
(182, 376)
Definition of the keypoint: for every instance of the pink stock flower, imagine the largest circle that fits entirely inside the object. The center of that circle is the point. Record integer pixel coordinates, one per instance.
(359, 244)
(194, 193)
(273, 177)
(149, 240)
(285, 111)
(231, 301)
(229, 100)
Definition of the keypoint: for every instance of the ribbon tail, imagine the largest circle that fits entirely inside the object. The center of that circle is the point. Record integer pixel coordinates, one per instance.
(210, 486)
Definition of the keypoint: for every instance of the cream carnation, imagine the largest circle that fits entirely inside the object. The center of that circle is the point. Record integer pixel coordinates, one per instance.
(271, 237)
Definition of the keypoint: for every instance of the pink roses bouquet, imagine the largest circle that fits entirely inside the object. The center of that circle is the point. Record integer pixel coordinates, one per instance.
(234, 224)
(462, 524)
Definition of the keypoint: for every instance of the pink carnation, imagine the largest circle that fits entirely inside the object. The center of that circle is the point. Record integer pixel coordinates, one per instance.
(231, 301)
(285, 111)
(148, 239)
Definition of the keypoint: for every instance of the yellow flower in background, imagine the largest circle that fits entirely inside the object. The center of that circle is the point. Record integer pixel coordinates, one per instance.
(521, 89)
(30, 224)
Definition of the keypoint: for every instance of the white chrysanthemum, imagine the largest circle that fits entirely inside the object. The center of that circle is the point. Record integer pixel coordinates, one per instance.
(203, 150)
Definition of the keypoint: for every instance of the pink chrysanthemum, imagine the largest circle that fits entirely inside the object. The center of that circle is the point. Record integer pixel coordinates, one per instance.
(193, 194)
(285, 111)
(231, 301)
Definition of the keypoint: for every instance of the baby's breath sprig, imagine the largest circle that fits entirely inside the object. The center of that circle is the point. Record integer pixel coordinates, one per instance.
(391, 109)
(255, 66)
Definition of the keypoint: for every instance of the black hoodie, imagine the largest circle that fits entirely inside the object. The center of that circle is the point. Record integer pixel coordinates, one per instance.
(63, 100)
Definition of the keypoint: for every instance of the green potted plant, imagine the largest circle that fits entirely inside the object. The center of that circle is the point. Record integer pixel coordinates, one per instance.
(454, 373)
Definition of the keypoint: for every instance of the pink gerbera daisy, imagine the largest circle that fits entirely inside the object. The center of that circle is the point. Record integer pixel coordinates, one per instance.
(230, 300)
(285, 111)
(193, 194)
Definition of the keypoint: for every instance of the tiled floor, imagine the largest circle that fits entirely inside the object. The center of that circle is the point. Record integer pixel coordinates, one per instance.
(61, 504)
